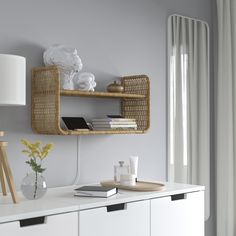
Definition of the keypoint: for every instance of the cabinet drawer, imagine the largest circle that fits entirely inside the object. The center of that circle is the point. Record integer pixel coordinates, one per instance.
(59, 225)
(179, 215)
(123, 219)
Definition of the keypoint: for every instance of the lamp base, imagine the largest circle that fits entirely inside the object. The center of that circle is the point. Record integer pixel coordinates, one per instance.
(5, 172)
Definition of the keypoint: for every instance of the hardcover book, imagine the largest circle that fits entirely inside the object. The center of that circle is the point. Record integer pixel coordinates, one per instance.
(114, 128)
(115, 125)
(113, 120)
(95, 191)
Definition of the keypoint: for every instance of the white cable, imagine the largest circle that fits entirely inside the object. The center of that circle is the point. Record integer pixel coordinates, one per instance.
(77, 175)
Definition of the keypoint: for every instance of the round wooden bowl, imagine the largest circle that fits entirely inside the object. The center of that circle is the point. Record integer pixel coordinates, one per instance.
(141, 186)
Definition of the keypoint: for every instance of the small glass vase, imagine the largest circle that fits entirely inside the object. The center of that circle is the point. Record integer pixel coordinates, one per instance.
(33, 186)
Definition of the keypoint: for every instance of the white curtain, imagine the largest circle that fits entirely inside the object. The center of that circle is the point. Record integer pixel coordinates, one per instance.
(226, 119)
(188, 105)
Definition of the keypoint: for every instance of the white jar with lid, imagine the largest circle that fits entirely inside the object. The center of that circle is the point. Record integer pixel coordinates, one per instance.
(128, 179)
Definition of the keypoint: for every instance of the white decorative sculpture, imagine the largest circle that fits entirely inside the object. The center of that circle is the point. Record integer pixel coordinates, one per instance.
(84, 81)
(67, 60)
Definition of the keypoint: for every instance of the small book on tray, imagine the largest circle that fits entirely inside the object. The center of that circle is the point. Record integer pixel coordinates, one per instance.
(95, 191)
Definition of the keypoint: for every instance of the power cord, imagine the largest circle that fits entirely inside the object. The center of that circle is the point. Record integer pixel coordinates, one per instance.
(77, 175)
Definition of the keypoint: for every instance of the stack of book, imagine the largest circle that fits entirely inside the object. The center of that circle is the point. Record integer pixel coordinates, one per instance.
(114, 124)
(95, 191)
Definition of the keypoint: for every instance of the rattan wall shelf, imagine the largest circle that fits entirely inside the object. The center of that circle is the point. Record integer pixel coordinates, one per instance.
(46, 93)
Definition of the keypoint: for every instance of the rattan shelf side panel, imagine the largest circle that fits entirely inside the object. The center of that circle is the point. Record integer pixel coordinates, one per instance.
(46, 101)
(138, 109)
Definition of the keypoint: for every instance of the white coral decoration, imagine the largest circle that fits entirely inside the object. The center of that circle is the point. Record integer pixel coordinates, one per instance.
(67, 60)
(84, 81)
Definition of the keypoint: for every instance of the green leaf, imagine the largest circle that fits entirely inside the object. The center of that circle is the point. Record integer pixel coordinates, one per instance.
(35, 166)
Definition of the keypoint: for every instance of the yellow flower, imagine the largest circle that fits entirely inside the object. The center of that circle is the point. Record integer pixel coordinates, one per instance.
(34, 150)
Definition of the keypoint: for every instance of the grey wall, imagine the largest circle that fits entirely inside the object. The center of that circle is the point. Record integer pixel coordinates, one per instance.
(113, 38)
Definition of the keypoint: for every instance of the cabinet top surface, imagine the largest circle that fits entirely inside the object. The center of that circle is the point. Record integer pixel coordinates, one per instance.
(62, 199)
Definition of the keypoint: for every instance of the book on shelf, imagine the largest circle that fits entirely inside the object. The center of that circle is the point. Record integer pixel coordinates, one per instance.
(113, 120)
(114, 128)
(95, 191)
(115, 125)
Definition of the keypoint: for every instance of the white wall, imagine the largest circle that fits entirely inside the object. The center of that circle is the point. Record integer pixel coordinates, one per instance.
(113, 38)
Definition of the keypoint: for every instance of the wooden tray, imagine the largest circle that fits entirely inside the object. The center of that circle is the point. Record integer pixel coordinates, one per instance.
(140, 186)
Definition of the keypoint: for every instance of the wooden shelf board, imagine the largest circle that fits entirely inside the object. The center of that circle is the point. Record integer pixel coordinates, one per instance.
(106, 132)
(99, 94)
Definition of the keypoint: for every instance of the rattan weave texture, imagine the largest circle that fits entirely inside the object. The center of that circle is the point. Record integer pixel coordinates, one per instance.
(46, 93)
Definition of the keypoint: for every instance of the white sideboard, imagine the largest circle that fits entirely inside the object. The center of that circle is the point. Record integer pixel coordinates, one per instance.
(181, 217)
(58, 225)
(178, 210)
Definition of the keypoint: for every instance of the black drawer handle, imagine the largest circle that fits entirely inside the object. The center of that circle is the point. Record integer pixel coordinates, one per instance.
(178, 197)
(32, 221)
(116, 207)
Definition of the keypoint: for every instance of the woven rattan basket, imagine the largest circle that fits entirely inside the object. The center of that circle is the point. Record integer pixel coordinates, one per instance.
(46, 93)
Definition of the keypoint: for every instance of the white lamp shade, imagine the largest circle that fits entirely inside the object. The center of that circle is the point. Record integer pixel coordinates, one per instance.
(12, 80)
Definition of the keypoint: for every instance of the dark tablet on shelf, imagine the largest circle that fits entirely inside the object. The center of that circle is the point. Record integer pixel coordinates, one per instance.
(75, 123)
